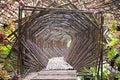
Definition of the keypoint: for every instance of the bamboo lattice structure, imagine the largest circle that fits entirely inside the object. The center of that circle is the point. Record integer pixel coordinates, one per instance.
(10, 7)
(46, 33)
(48, 25)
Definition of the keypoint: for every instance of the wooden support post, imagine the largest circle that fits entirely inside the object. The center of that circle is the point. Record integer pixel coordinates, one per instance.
(19, 58)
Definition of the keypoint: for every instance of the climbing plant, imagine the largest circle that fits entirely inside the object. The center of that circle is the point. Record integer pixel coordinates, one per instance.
(7, 57)
(112, 47)
(113, 44)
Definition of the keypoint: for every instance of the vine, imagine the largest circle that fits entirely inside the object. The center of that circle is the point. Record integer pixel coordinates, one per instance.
(7, 64)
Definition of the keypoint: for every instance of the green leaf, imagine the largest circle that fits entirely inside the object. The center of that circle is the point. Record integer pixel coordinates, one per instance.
(111, 54)
(105, 73)
(110, 35)
(5, 52)
(118, 76)
(79, 78)
(113, 26)
(93, 70)
(86, 70)
(113, 42)
(9, 46)
(118, 60)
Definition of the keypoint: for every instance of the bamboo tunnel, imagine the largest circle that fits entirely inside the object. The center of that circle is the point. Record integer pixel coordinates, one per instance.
(47, 34)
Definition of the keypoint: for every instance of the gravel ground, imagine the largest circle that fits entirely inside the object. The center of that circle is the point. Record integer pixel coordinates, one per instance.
(56, 63)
